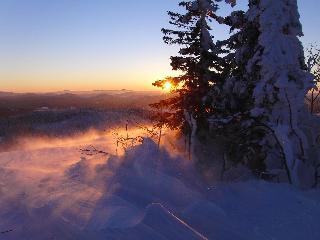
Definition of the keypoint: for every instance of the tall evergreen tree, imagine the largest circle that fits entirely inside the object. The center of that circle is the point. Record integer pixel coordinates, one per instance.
(268, 84)
(197, 60)
(235, 98)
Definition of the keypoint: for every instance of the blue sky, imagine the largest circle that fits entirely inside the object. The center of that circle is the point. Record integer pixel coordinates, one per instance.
(49, 45)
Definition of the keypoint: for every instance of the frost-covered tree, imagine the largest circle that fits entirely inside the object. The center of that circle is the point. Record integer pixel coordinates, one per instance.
(197, 61)
(268, 86)
(283, 83)
(236, 93)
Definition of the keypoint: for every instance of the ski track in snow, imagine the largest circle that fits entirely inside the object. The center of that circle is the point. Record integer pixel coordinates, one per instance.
(48, 190)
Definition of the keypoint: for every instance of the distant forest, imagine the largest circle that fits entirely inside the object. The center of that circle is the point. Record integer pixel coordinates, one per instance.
(12, 104)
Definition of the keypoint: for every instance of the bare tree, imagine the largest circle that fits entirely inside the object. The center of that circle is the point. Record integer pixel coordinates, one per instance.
(125, 140)
(162, 118)
(313, 65)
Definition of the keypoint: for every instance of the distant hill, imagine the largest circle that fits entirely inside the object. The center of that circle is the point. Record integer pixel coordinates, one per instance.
(15, 103)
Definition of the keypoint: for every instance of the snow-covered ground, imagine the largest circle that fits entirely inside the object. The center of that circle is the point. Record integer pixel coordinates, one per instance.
(49, 190)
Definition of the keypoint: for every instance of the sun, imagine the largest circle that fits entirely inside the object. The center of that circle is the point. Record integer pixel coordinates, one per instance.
(167, 87)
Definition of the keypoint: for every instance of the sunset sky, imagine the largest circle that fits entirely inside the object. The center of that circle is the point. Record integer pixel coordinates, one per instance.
(51, 45)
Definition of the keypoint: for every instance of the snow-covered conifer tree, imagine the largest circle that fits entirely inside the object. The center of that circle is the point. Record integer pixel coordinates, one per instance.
(269, 84)
(283, 84)
(235, 94)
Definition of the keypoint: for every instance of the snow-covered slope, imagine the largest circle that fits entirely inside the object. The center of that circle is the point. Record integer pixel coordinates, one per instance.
(52, 192)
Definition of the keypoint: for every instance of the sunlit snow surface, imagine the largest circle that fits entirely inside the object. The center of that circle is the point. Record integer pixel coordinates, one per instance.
(48, 190)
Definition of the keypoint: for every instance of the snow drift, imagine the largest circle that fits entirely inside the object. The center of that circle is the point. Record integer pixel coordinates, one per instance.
(52, 192)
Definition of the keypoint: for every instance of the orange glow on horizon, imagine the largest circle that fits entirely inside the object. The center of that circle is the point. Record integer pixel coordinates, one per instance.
(81, 81)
